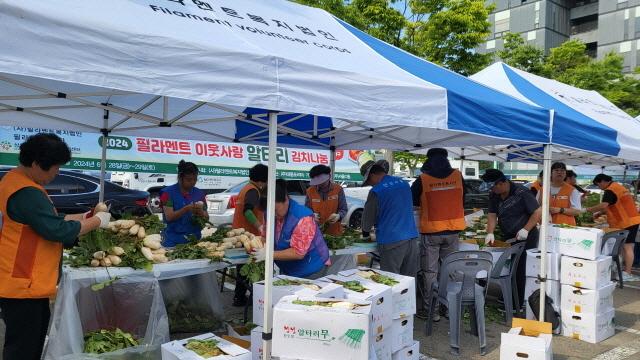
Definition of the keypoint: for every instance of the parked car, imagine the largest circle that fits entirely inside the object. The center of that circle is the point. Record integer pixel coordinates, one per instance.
(221, 206)
(74, 192)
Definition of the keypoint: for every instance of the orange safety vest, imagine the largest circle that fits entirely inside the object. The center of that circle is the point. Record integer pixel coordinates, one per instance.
(441, 206)
(563, 200)
(29, 264)
(536, 185)
(239, 220)
(623, 213)
(324, 208)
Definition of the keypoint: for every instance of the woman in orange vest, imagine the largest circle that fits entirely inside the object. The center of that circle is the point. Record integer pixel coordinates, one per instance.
(565, 202)
(622, 213)
(250, 216)
(326, 199)
(32, 235)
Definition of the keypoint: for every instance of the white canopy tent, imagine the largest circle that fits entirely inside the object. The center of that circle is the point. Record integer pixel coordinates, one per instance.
(192, 70)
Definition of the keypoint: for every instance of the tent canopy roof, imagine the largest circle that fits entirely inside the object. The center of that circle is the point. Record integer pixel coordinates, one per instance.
(212, 72)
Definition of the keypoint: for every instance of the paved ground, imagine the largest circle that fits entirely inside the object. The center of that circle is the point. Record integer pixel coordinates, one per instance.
(624, 345)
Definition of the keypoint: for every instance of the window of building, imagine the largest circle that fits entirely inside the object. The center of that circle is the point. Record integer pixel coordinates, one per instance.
(491, 44)
(625, 46)
(637, 11)
(531, 35)
(502, 21)
(626, 14)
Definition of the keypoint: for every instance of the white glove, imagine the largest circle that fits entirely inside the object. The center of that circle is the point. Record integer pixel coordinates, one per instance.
(333, 218)
(259, 254)
(523, 234)
(372, 236)
(489, 239)
(104, 217)
(317, 216)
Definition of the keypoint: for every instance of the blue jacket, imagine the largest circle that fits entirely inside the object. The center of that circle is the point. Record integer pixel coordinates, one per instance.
(318, 253)
(176, 231)
(395, 220)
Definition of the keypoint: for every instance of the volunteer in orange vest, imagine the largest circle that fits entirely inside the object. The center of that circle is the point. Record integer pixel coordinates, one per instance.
(329, 204)
(572, 179)
(565, 202)
(439, 192)
(326, 199)
(536, 185)
(249, 215)
(32, 235)
(620, 207)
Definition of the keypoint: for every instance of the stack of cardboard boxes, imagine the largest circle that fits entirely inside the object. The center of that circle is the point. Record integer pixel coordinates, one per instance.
(371, 317)
(586, 293)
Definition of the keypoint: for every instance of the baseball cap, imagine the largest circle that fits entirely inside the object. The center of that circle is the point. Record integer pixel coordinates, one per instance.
(490, 178)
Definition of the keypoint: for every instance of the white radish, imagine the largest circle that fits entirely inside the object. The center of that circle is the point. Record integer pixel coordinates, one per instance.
(159, 251)
(133, 231)
(101, 207)
(141, 233)
(154, 237)
(115, 260)
(123, 231)
(231, 233)
(95, 263)
(116, 250)
(160, 258)
(147, 253)
(99, 255)
(107, 261)
(151, 244)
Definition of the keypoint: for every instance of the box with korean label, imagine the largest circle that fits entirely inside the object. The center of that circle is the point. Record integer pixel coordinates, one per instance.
(317, 329)
(580, 242)
(591, 328)
(586, 301)
(288, 285)
(401, 333)
(533, 264)
(586, 274)
(403, 288)
(189, 349)
(256, 343)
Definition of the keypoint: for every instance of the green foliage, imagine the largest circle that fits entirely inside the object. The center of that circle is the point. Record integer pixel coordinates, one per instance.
(520, 55)
(409, 160)
(104, 341)
(450, 34)
(253, 271)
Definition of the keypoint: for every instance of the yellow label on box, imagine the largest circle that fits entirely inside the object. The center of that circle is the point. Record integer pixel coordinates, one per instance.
(576, 336)
(577, 284)
(577, 309)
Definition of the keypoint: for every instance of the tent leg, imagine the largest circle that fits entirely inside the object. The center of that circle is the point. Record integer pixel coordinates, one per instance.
(271, 217)
(332, 159)
(103, 158)
(462, 161)
(542, 240)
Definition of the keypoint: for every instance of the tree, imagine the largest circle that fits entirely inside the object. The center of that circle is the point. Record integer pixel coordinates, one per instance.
(375, 17)
(521, 55)
(570, 55)
(409, 160)
(450, 34)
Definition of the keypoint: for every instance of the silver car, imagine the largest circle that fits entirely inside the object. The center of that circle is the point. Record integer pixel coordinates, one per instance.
(221, 206)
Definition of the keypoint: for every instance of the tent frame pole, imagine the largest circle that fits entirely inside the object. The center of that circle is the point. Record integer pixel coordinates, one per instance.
(544, 226)
(103, 157)
(271, 217)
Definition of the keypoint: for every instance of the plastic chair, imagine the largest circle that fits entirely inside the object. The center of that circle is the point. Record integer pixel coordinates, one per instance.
(620, 237)
(509, 260)
(463, 281)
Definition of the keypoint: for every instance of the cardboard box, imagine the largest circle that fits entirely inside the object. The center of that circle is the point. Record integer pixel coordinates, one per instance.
(533, 264)
(585, 301)
(379, 295)
(326, 290)
(591, 328)
(401, 333)
(579, 242)
(586, 274)
(409, 353)
(527, 339)
(319, 332)
(232, 332)
(256, 343)
(176, 350)
(553, 289)
(403, 293)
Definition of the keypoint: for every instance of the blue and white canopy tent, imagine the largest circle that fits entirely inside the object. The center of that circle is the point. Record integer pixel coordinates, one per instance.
(251, 71)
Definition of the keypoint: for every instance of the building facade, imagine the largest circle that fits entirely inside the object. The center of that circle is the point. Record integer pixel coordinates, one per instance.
(603, 25)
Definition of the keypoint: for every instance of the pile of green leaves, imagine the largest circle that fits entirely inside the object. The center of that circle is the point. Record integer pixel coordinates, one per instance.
(590, 200)
(190, 251)
(253, 271)
(312, 303)
(151, 223)
(584, 219)
(104, 341)
(352, 285)
(186, 318)
(97, 240)
(479, 230)
(200, 222)
(384, 280)
(287, 282)
(204, 348)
